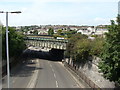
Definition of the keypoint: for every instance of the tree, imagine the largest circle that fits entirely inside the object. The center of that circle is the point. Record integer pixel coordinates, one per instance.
(110, 64)
(97, 46)
(16, 43)
(50, 31)
(59, 32)
(35, 32)
(31, 32)
(118, 19)
(70, 33)
(72, 44)
(82, 50)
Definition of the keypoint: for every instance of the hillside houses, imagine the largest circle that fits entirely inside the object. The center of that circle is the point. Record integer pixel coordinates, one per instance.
(93, 30)
(43, 29)
(86, 30)
(100, 31)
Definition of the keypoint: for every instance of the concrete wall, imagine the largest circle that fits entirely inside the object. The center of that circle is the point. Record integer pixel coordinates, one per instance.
(91, 71)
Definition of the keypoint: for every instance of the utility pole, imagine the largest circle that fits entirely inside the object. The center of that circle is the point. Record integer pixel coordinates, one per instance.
(119, 13)
(7, 47)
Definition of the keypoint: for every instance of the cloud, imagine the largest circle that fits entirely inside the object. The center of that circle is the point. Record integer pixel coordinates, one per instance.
(57, 12)
(99, 19)
(72, 1)
(104, 21)
(59, 1)
(16, 0)
(114, 19)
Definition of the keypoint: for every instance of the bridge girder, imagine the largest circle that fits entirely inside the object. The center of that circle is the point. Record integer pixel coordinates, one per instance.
(47, 43)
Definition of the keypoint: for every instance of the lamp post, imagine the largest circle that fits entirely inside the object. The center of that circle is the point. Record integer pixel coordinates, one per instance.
(7, 47)
(119, 13)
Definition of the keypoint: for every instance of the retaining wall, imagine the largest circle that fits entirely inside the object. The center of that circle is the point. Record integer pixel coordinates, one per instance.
(90, 73)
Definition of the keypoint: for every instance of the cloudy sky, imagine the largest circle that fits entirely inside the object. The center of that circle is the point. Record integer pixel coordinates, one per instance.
(69, 12)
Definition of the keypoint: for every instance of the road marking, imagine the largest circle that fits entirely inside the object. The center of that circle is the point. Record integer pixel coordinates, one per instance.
(53, 70)
(50, 65)
(54, 75)
(33, 80)
(57, 84)
(78, 83)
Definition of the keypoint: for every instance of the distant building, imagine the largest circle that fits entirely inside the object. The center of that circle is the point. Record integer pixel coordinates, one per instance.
(73, 28)
(86, 30)
(18, 28)
(119, 8)
(93, 30)
(101, 31)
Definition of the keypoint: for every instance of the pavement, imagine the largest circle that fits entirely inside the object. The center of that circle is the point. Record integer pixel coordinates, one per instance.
(21, 75)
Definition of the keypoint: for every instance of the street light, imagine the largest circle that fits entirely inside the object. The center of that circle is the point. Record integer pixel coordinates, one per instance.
(7, 47)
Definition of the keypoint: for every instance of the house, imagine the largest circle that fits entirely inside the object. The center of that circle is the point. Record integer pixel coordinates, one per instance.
(93, 30)
(101, 31)
(86, 30)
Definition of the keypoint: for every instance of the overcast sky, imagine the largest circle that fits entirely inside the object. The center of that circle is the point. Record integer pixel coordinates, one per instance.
(69, 12)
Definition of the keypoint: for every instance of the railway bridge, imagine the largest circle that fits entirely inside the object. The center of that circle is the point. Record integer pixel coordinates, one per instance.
(47, 42)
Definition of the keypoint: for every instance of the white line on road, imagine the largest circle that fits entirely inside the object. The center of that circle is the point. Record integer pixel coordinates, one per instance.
(77, 82)
(53, 70)
(54, 75)
(33, 80)
(56, 84)
(50, 65)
